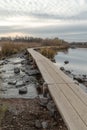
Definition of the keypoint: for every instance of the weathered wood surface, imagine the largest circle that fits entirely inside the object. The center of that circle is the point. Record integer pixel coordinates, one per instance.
(69, 98)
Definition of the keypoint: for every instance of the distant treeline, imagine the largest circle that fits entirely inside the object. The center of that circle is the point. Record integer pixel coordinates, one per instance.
(79, 44)
(45, 42)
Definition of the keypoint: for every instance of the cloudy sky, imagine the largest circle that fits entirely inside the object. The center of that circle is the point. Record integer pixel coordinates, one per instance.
(66, 19)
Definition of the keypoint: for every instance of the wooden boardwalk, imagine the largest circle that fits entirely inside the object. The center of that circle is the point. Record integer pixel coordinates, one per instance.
(69, 98)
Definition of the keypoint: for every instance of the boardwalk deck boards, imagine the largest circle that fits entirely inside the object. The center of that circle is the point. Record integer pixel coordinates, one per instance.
(69, 98)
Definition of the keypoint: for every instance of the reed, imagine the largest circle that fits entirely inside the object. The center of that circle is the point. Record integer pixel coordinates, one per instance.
(48, 52)
(8, 49)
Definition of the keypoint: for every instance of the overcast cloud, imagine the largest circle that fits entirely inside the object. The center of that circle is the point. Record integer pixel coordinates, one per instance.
(66, 19)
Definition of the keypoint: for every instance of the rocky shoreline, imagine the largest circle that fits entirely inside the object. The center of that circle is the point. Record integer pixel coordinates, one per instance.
(25, 102)
(18, 77)
(78, 78)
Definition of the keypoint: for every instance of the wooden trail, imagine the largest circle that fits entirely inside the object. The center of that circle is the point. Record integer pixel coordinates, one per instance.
(69, 98)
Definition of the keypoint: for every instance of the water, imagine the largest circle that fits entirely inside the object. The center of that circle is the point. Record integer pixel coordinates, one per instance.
(77, 62)
(7, 74)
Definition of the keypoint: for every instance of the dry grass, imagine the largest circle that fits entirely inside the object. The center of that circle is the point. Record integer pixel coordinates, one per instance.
(10, 48)
(48, 52)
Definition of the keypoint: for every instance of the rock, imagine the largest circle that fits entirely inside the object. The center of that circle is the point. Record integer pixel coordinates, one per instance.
(53, 60)
(66, 62)
(20, 84)
(45, 89)
(12, 82)
(32, 72)
(78, 78)
(1, 62)
(3, 89)
(27, 57)
(34, 66)
(51, 107)
(3, 71)
(16, 70)
(84, 76)
(28, 67)
(24, 62)
(32, 79)
(76, 82)
(85, 80)
(85, 83)
(21, 55)
(61, 126)
(62, 68)
(5, 61)
(43, 101)
(25, 52)
(28, 62)
(38, 87)
(26, 79)
(44, 124)
(38, 124)
(31, 63)
(22, 69)
(67, 72)
(23, 90)
(29, 79)
(41, 81)
(54, 124)
(3, 58)
(49, 96)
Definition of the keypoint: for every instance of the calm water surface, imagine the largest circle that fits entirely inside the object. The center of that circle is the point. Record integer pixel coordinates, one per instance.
(77, 60)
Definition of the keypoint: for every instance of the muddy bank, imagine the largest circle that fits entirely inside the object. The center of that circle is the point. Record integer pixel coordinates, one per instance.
(28, 114)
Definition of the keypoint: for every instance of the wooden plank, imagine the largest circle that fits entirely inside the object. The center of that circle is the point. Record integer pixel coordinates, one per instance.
(69, 114)
(76, 103)
(45, 74)
(80, 93)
